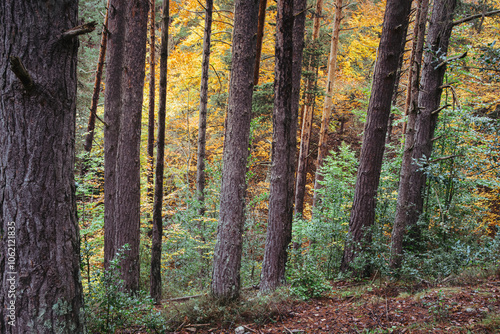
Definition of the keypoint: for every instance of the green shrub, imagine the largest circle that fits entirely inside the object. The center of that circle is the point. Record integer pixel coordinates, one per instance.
(305, 279)
(109, 308)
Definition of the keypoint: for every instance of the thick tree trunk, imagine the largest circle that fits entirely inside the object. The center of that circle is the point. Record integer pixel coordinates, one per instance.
(125, 179)
(89, 138)
(328, 104)
(410, 198)
(260, 36)
(112, 113)
(372, 151)
(128, 166)
(412, 107)
(40, 287)
(279, 227)
(202, 123)
(227, 254)
(151, 106)
(155, 286)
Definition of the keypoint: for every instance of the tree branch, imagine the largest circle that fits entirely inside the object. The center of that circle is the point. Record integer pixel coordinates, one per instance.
(102, 121)
(436, 138)
(449, 60)
(80, 30)
(21, 73)
(473, 17)
(438, 110)
(446, 158)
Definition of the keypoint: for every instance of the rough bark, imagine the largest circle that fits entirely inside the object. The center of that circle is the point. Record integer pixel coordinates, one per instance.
(328, 104)
(260, 36)
(40, 288)
(395, 95)
(227, 254)
(89, 138)
(112, 112)
(411, 201)
(126, 180)
(202, 123)
(412, 110)
(155, 286)
(151, 105)
(372, 151)
(279, 226)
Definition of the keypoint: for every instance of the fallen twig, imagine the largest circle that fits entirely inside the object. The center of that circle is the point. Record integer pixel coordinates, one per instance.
(251, 330)
(181, 326)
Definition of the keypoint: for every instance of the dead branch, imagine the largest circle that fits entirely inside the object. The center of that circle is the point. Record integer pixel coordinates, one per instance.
(449, 60)
(180, 299)
(248, 328)
(436, 138)
(454, 93)
(21, 73)
(100, 119)
(445, 158)
(79, 30)
(473, 17)
(438, 110)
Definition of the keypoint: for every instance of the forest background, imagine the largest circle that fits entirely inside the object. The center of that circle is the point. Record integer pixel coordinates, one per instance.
(462, 192)
(462, 200)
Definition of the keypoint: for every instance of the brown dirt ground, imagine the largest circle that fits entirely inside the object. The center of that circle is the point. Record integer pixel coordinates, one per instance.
(385, 309)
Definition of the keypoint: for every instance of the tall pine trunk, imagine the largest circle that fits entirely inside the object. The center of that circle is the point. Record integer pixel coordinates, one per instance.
(89, 138)
(202, 123)
(279, 226)
(227, 254)
(328, 104)
(40, 287)
(125, 224)
(372, 151)
(410, 199)
(112, 115)
(412, 107)
(155, 282)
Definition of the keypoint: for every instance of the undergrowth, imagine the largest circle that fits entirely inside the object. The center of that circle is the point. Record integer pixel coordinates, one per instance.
(251, 307)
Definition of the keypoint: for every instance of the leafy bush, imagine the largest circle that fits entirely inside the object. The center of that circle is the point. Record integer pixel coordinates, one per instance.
(305, 280)
(109, 307)
(324, 235)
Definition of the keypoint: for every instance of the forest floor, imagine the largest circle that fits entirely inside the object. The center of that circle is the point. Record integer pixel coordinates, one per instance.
(464, 306)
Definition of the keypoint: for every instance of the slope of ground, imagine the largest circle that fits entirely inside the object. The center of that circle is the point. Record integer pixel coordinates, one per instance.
(385, 308)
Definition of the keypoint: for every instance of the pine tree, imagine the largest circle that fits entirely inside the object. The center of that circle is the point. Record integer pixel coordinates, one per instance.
(363, 210)
(227, 255)
(40, 287)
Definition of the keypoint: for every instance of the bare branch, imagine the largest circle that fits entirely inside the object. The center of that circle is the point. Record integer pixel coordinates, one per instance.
(446, 158)
(438, 110)
(100, 119)
(21, 73)
(436, 138)
(473, 17)
(449, 60)
(80, 30)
